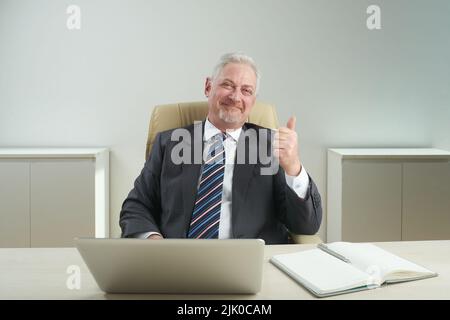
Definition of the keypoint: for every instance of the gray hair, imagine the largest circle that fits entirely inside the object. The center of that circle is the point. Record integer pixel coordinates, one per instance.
(236, 57)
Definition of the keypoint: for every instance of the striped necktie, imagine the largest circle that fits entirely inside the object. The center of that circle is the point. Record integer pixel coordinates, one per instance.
(206, 214)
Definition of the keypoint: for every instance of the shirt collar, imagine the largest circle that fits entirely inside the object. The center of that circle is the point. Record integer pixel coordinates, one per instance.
(211, 131)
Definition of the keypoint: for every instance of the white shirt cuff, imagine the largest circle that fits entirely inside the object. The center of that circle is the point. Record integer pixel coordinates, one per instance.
(299, 183)
(145, 235)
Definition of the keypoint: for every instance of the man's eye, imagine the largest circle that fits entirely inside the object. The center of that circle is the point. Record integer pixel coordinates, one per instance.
(248, 92)
(226, 85)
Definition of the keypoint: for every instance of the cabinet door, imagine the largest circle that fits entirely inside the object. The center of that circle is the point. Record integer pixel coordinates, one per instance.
(371, 200)
(62, 202)
(14, 204)
(426, 200)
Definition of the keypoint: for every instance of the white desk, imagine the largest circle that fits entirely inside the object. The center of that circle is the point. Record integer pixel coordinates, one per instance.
(40, 273)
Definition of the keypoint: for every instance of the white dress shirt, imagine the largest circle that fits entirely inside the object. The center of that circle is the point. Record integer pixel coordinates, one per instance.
(299, 183)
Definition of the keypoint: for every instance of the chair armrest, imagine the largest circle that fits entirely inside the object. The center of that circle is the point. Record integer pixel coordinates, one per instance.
(306, 239)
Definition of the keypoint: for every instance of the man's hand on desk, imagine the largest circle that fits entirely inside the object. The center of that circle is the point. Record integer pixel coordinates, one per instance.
(155, 237)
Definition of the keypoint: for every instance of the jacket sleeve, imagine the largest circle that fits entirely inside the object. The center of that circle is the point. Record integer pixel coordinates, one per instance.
(141, 210)
(300, 216)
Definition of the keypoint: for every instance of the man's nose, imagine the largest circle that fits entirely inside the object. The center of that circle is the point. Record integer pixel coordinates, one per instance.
(235, 95)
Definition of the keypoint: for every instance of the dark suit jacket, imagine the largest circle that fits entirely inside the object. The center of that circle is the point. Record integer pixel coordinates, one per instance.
(263, 206)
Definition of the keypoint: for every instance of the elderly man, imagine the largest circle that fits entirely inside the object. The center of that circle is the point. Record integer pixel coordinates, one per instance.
(221, 197)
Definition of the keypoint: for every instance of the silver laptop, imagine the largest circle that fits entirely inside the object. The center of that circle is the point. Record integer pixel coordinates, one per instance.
(175, 265)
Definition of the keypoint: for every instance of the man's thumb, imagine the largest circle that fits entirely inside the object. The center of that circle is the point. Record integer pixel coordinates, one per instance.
(291, 123)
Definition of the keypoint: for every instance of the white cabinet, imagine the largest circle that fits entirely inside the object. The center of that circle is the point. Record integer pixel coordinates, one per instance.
(388, 194)
(50, 196)
(14, 204)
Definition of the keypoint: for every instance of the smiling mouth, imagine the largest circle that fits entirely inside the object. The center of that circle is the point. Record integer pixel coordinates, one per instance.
(230, 107)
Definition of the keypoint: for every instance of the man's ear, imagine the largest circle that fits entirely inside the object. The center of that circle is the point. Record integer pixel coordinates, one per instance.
(208, 85)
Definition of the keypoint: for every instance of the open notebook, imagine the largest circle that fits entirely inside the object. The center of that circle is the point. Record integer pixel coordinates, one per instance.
(367, 267)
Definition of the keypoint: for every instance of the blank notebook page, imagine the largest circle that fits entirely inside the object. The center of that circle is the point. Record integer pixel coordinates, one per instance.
(321, 271)
(366, 255)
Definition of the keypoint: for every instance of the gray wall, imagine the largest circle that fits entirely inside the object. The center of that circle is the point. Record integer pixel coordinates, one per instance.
(348, 86)
(442, 125)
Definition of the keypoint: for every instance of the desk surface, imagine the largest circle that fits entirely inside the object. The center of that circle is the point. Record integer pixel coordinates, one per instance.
(41, 274)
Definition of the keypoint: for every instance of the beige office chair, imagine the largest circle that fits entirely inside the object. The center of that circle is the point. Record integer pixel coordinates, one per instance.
(169, 116)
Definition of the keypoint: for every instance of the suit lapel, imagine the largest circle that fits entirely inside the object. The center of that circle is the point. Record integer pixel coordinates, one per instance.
(242, 175)
(190, 173)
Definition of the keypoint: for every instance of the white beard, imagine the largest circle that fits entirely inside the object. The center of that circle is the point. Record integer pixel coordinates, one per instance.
(228, 117)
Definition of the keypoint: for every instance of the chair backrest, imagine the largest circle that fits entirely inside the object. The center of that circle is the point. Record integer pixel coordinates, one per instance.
(170, 116)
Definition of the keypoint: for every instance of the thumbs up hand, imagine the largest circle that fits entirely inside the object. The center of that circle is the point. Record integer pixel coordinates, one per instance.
(285, 148)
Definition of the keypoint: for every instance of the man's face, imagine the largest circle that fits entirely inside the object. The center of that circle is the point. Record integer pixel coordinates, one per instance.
(231, 96)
